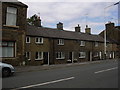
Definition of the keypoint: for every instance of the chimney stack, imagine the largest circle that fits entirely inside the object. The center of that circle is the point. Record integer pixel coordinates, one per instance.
(60, 26)
(37, 21)
(110, 26)
(87, 30)
(77, 29)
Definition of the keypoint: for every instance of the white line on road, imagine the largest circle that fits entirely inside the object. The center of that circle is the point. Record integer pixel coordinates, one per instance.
(44, 83)
(105, 70)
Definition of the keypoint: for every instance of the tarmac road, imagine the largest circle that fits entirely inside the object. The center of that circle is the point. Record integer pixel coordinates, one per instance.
(94, 75)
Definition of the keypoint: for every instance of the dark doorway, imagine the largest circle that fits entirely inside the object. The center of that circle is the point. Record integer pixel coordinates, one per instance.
(70, 56)
(45, 56)
(89, 56)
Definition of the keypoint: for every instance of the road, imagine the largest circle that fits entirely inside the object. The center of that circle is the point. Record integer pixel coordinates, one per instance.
(95, 75)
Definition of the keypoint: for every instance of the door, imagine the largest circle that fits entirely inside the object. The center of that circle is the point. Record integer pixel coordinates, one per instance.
(46, 57)
(70, 55)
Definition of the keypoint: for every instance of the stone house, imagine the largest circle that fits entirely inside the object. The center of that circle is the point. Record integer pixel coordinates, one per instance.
(57, 46)
(112, 35)
(12, 40)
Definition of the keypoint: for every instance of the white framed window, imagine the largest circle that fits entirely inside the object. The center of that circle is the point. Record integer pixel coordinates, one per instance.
(38, 55)
(60, 55)
(39, 40)
(60, 41)
(11, 16)
(96, 44)
(82, 54)
(27, 39)
(7, 49)
(27, 55)
(82, 43)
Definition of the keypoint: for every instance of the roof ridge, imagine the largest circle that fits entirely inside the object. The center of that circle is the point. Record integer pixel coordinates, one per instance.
(55, 33)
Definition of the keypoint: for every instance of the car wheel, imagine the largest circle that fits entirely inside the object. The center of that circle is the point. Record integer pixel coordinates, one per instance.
(6, 72)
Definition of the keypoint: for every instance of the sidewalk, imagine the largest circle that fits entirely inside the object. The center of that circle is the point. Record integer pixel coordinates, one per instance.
(19, 69)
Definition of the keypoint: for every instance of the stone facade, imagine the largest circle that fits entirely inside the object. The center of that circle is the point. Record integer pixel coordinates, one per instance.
(14, 34)
(113, 35)
(34, 47)
(65, 46)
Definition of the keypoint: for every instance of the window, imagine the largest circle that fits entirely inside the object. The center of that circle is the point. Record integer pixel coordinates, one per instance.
(96, 44)
(61, 42)
(27, 55)
(27, 39)
(82, 43)
(60, 55)
(7, 49)
(39, 40)
(39, 56)
(11, 16)
(82, 55)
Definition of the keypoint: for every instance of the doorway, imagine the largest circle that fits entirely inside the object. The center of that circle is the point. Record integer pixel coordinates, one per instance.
(46, 58)
(71, 56)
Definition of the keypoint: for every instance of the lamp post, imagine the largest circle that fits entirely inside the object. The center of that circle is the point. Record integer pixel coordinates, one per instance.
(105, 37)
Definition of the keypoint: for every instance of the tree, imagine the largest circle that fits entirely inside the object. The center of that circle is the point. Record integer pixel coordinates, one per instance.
(31, 20)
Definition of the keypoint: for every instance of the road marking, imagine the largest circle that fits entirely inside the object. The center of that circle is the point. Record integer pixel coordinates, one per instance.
(55, 81)
(105, 70)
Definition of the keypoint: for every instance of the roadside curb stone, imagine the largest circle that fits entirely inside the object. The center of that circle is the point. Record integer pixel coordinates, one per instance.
(20, 69)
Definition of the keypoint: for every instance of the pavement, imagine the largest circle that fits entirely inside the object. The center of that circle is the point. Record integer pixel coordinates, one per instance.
(20, 69)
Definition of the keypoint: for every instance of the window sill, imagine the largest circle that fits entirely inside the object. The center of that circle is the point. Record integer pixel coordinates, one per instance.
(38, 59)
(7, 57)
(82, 45)
(60, 58)
(11, 26)
(61, 44)
(39, 43)
(81, 57)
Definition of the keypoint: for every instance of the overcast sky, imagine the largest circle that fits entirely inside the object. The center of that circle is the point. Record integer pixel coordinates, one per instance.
(74, 12)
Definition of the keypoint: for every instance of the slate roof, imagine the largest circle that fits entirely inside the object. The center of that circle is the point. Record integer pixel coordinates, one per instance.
(55, 33)
(20, 3)
(16, 2)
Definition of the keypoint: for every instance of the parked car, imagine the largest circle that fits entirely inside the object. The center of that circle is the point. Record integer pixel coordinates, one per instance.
(6, 69)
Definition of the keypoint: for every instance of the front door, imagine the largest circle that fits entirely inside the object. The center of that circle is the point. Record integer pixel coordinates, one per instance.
(46, 57)
(71, 56)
